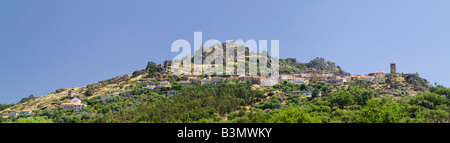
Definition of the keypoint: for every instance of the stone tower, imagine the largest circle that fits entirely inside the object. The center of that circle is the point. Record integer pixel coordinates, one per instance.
(393, 68)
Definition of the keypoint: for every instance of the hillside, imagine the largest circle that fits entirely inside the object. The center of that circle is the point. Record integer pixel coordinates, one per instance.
(233, 98)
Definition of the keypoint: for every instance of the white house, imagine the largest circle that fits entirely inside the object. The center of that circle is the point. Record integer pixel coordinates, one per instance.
(164, 83)
(327, 74)
(307, 75)
(74, 105)
(150, 87)
(24, 112)
(75, 100)
(286, 76)
(340, 80)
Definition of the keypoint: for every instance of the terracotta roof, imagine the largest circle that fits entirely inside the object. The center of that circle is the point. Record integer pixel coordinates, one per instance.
(5, 116)
(116, 93)
(367, 77)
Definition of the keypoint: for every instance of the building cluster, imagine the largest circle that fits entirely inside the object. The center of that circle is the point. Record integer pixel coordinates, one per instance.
(15, 114)
(298, 78)
(75, 105)
(304, 77)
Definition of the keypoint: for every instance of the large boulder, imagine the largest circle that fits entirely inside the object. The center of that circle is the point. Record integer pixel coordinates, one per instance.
(419, 84)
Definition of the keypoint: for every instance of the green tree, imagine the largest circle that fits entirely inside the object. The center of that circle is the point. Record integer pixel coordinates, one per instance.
(341, 99)
(292, 114)
(89, 92)
(315, 93)
(378, 111)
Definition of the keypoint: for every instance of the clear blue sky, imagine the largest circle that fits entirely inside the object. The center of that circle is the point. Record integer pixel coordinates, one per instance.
(51, 44)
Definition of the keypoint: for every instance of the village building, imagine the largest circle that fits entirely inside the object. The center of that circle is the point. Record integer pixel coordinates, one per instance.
(368, 78)
(348, 78)
(74, 105)
(24, 112)
(393, 68)
(233, 78)
(149, 87)
(355, 77)
(380, 74)
(164, 83)
(194, 80)
(116, 94)
(299, 81)
(286, 76)
(340, 80)
(75, 100)
(13, 114)
(307, 75)
(327, 74)
(71, 93)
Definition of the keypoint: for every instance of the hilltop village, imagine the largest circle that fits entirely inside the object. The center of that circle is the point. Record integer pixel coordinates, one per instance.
(315, 92)
(164, 86)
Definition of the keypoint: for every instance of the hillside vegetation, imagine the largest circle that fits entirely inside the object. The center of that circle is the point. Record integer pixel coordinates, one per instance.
(402, 98)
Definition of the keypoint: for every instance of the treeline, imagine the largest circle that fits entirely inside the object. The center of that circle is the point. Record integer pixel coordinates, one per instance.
(25, 99)
(5, 106)
(238, 103)
(194, 103)
(356, 105)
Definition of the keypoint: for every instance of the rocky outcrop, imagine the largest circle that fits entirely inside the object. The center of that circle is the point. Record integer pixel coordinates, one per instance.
(150, 64)
(413, 81)
(290, 65)
(59, 90)
(104, 83)
(165, 66)
(419, 84)
(326, 66)
(138, 73)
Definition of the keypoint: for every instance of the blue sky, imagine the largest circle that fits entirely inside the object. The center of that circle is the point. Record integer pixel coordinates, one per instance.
(51, 44)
